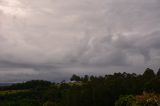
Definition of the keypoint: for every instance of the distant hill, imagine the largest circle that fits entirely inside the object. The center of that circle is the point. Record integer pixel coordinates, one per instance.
(6, 84)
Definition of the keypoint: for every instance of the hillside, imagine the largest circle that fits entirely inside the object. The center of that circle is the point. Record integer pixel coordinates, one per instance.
(120, 89)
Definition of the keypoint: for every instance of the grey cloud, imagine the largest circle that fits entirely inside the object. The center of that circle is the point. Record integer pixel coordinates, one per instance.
(51, 38)
(6, 64)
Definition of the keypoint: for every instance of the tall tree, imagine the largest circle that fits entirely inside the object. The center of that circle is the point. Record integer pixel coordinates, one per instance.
(75, 78)
(148, 74)
(158, 73)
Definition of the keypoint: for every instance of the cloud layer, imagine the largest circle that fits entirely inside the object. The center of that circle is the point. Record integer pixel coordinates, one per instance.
(53, 39)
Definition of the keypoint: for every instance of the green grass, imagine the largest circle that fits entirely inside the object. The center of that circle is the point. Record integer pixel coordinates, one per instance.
(9, 92)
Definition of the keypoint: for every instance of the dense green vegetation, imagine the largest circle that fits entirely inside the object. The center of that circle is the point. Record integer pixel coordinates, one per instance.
(146, 99)
(120, 89)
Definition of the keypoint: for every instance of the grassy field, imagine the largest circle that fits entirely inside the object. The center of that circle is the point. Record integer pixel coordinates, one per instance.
(9, 92)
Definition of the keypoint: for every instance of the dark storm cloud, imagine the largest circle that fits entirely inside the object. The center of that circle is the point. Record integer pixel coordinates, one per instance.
(6, 64)
(53, 39)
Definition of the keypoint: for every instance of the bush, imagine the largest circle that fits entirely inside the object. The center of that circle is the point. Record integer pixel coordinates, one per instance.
(125, 101)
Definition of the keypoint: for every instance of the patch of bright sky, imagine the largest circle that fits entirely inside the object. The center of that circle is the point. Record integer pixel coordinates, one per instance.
(12, 8)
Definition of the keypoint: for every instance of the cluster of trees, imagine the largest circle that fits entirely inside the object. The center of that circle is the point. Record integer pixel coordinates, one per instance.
(82, 91)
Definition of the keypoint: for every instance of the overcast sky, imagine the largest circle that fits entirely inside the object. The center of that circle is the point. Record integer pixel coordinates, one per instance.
(53, 39)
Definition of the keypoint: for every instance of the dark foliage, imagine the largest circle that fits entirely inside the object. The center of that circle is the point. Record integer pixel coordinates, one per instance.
(81, 91)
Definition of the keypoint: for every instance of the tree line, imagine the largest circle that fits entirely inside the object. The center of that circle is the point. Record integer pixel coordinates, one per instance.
(107, 90)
